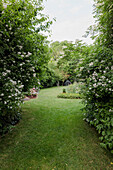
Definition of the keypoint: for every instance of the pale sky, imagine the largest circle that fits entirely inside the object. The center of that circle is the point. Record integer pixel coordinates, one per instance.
(73, 17)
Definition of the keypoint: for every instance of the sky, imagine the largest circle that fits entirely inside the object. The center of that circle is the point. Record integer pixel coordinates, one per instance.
(73, 17)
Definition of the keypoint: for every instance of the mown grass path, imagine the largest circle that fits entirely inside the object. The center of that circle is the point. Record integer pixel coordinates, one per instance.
(53, 135)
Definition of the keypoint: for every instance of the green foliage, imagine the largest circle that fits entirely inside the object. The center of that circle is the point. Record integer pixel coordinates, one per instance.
(96, 71)
(75, 87)
(23, 54)
(104, 17)
(49, 78)
(64, 58)
(102, 31)
(57, 49)
(72, 54)
(64, 90)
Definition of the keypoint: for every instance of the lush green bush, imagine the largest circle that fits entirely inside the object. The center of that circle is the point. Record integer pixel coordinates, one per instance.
(23, 52)
(52, 75)
(96, 70)
(70, 56)
(49, 78)
(70, 96)
(64, 90)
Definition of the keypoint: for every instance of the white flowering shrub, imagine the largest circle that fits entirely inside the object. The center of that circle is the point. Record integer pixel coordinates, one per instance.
(96, 70)
(23, 53)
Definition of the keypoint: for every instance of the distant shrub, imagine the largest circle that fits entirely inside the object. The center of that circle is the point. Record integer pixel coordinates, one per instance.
(96, 71)
(74, 88)
(64, 90)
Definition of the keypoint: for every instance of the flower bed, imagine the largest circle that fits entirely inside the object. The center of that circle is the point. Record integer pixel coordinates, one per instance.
(32, 95)
(70, 96)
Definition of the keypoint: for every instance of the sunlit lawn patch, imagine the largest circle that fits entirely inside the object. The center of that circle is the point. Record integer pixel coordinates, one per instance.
(53, 135)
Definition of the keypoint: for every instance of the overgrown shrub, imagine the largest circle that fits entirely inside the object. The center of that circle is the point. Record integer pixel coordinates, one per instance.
(23, 53)
(96, 70)
(49, 78)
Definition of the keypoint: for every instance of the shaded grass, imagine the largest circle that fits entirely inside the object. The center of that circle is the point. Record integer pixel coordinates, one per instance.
(53, 135)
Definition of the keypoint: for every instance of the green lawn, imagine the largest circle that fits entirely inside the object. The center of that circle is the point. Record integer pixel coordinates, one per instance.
(53, 135)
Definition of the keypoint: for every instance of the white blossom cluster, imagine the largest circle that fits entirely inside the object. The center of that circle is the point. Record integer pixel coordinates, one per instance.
(11, 96)
(19, 58)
